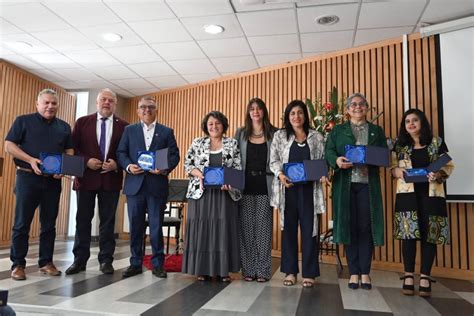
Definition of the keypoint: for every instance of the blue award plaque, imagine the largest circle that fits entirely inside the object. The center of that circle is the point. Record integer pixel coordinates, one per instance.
(295, 171)
(355, 153)
(416, 172)
(146, 160)
(50, 163)
(416, 175)
(213, 176)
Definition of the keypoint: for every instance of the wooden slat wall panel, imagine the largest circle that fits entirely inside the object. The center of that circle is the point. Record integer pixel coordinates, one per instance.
(19, 90)
(375, 70)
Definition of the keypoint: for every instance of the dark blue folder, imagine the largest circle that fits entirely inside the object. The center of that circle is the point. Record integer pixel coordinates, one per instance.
(377, 156)
(73, 165)
(315, 169)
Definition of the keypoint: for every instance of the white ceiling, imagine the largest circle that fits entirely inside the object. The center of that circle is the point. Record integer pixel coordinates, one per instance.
(164, 45)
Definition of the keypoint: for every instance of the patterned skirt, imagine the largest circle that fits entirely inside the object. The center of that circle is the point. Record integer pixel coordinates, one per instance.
(416, 212)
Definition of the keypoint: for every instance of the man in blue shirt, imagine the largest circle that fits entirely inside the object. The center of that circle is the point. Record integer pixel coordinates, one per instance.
(30, 135)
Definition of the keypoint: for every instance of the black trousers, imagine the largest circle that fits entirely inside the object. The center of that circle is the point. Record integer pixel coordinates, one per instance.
(299, 208)
(32, 191)
(359, 252)
(85, 212)
(428, 250)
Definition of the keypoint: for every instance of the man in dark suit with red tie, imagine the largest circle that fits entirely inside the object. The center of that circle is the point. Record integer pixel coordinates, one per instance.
(146, 191)
(96, 138)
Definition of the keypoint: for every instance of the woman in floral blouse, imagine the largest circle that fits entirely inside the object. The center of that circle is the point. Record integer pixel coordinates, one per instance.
(420, 208)
(212, 223)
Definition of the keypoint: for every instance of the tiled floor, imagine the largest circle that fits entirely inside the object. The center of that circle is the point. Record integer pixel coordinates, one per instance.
(92, 293)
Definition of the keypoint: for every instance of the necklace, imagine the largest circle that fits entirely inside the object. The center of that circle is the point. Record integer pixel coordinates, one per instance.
(257, 135)
(301, 144)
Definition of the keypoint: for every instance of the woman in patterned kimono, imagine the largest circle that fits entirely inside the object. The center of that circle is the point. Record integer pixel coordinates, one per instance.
(212, 225)
(297, 202)
(256, 214)
(420, 208)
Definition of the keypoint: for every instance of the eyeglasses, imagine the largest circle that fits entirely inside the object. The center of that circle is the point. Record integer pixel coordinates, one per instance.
(147, 107)
(355, 104)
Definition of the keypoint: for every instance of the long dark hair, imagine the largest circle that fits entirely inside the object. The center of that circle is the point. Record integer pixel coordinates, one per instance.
(426, 135)
(286, 118)
(268, 128)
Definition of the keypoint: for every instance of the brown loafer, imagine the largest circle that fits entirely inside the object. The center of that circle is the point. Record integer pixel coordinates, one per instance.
(18, 273)
(50, 269)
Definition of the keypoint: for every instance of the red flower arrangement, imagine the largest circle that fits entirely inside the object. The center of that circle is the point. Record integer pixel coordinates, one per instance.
(324, 116)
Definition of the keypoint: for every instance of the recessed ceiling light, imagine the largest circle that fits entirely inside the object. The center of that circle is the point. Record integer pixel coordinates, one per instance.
(213, 29)
(20, 45)
(111, 37)
(327, 19)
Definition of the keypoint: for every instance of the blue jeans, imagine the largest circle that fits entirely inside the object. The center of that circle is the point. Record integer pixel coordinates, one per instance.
(32, 191)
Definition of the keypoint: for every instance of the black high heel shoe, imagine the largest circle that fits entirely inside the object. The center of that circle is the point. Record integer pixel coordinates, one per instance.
(425, 291)
(408, 289)
(366, 286)
(353, 285)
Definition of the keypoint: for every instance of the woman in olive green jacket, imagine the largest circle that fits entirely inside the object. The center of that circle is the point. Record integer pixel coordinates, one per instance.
(356, 194)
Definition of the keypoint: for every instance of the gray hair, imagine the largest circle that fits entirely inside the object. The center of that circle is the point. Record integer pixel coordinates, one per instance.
(352, 96)
(47, 91)
(109, 91)
(147, 98)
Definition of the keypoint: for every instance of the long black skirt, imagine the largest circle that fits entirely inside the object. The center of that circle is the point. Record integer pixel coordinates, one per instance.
(212, 235)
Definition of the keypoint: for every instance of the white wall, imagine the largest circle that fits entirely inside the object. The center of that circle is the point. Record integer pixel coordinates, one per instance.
(457, 73)
(82, 100)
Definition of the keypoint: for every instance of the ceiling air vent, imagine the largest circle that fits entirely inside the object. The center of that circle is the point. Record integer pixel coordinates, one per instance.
(327, 19)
